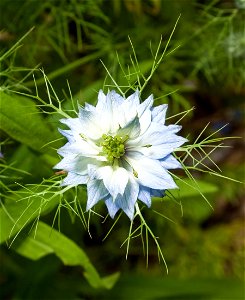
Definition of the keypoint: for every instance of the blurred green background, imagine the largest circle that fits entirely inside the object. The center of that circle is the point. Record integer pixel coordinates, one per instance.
(204, 248)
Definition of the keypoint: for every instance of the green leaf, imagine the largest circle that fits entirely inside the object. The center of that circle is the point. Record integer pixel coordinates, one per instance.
(138, 286)
(38, 166)
(24, 207)
(33, 248)
(48, 240)
(195, 207)
(188, 188)
(22, 121)
(192, 193)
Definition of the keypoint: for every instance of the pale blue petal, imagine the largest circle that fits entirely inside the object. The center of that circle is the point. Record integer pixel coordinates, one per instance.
(161, 150)
(74, 124)
(66, 163)
(159, 113)
(74, 179)
(127, 201)
(128, 109)
(115, 99)
(134, 99)
(146, 105)
(155, 134)
(170, 162)
(115, 179)
(132, 129)
(150, 173)
(90, 107)
(79, 147)
(109, 110)
(68, 134)
(145, 195)
(101, 101)
(90, 125)
(111, 206)
(158, 193)
(75, 163)
(92, 171)
(105, 104)
(86, 116)
(96, 191)
(156, 142)
(145, 121)
(158, 134)
(174, 128)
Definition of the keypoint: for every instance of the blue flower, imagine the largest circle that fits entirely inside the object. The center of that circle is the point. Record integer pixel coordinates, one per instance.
(121, 149)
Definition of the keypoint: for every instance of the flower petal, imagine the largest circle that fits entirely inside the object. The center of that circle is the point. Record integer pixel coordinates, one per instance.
(89, 107)
(96, 191)
(156, 134)
(74, 179)
(157, 142)
(65, 163)
(159, 113)
(150, 173)
(101, 101)
(144, 113)
(145, 195)
(170, 162)
(111, 206)
(162, 150)
(134, 99)
(79, 147)
(127, 201)
(74, 124)
(68, 134)
(145, 105)
(174, 128)
(90, 127)
(145, 121)
(75, 163)
(115, 179)
(158, 193)
(132, 129)
(153, 135)
(109, 109)
(128, 109)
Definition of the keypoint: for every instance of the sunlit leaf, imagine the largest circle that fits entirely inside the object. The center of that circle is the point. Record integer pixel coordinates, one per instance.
(24, 208)
(22, 121)
(48, 240)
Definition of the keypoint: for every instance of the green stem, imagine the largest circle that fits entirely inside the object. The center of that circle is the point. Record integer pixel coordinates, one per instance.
(138, 212)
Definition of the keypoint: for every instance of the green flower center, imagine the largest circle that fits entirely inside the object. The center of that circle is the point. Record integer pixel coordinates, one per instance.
(113, 146)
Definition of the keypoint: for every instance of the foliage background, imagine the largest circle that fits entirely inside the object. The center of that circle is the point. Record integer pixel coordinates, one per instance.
(204, 249)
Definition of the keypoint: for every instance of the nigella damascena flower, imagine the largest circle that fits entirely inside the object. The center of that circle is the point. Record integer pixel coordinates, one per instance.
(121, 150)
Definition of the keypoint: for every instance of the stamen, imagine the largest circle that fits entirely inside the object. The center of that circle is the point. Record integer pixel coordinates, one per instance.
(135, 173)
(113, 147)
(83, 137)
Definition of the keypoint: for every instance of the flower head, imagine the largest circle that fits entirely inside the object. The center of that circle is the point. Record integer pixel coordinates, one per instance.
(121, 149)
